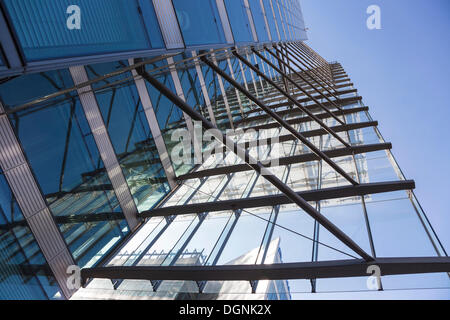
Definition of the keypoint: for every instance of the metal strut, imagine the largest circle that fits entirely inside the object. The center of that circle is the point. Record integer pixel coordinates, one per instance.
(282, 122)
(256, 165)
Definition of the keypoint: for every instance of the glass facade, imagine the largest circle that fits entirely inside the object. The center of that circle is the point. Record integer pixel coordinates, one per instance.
(258, 19)
(237, 14)
(63, 155)
(106, 26)
(24, 273)
(248, 221)
(199, 22)
(245, 235)
(130, 134)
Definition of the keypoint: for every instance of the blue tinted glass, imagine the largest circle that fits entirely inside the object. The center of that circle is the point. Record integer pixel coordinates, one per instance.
(24, 273)
(276, 9)
(151, 23)
(105, 26)
(170, 118)
(130, 135)
(258, 18)
(238, 17)
(66, 162)
(199, 21)
(191, 86)
(270, 20)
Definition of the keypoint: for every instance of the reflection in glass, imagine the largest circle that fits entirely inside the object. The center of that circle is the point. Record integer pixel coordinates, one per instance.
(65, 160)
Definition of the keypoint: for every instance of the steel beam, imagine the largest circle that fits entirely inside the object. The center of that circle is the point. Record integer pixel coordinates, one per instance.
(256, 165)
(279, 271)
(307, 134)
(299, 87)
(279, 199)
(301, 158)
(295, 102)
(283, 123)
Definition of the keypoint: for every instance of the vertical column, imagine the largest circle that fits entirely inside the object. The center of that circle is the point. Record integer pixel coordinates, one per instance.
(281, 18)
(33, 205)
(275, 19)
(224, 95)
(205, 92)
(253, 76)
(230, 67)
(261, 3)
(154, 127)
(225, 22)
(179, 92)
(250, 19)
(105, 147)
(260, 79)
(168, 24)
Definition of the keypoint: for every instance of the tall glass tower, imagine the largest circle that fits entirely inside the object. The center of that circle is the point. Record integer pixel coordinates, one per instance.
(193, 150)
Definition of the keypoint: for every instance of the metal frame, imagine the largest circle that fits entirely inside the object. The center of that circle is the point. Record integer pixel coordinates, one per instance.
(281, 199)
(154, 127)
(282, 122)
(256, 165)
(284, 271)
(104, 145)
(34, 208)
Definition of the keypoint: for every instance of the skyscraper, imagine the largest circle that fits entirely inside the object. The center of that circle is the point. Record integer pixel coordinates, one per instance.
(193, 149)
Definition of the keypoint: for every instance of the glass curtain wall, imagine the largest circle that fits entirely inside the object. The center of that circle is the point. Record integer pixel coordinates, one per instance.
(64, 158)
(24, 273)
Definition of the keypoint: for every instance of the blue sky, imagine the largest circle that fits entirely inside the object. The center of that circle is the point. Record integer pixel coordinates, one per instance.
(402, 71)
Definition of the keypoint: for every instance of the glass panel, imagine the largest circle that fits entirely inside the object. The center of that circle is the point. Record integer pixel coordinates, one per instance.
(106, 26)
(278, 18)
(270, 20)
(258, 19)
(396, 228)
(24, 273)
(130, 135)
(237, 14)
(65, 160)
(199, 21)
(151, 23)
(170, 118)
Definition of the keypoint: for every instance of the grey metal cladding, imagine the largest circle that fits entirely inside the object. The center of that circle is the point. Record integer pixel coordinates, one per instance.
(32, 204)
(168, 24)
(59, 265)
(43, 223)
(225, 22)
(105, 147)
(87, 99)
(25, 190)
(154, 127)
(250, 19)
(11, 155)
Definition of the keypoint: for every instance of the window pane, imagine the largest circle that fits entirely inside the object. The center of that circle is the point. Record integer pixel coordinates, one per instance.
(258, 19)
(65, 160)
(19, 253)
(238, 17)
(199, 21)
(106, 26)
(130, 135)
(270, 20)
